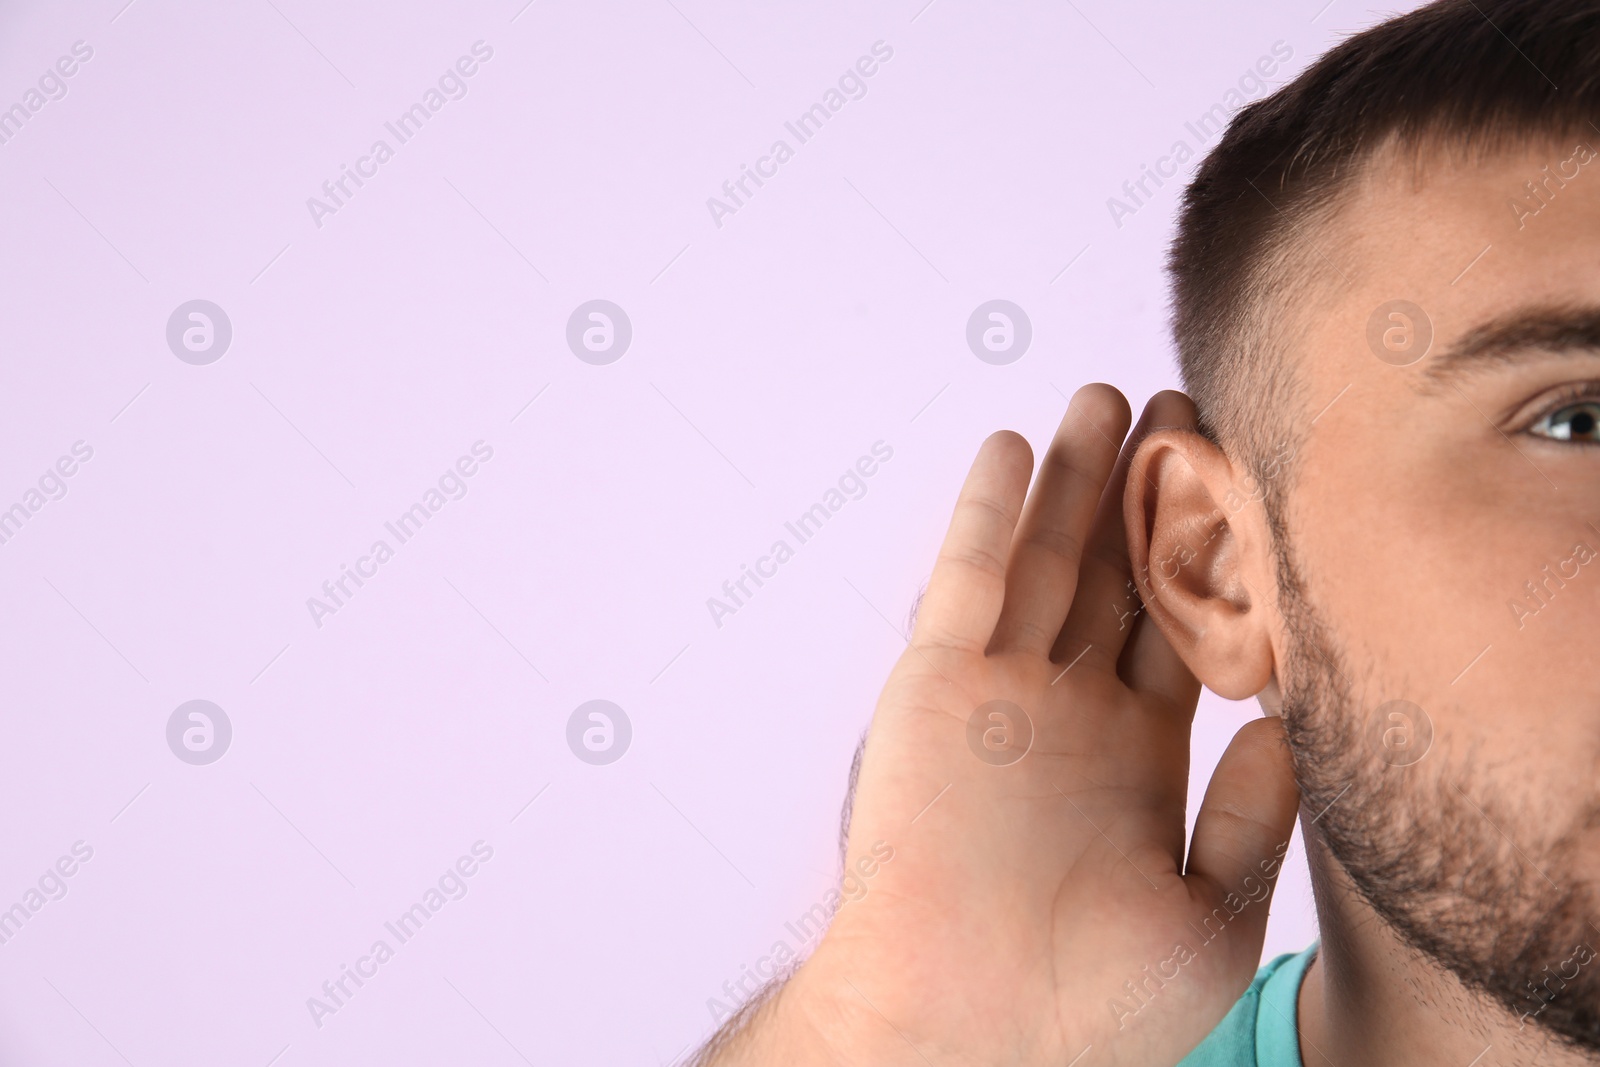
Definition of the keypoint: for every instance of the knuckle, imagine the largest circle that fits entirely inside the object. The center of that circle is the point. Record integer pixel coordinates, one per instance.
(1068, 465)
(1057, 542)
(990, 508)
(976, 559)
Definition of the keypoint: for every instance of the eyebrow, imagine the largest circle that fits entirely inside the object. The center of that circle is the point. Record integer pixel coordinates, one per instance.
(1513, 336)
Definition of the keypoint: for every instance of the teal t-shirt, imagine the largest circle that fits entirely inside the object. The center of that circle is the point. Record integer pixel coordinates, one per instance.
(1260, 1030)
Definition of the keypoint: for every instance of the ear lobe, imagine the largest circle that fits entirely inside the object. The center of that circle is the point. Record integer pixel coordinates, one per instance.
(1191, 559)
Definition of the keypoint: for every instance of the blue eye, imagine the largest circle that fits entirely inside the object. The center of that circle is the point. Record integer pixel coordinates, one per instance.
(1574, 422)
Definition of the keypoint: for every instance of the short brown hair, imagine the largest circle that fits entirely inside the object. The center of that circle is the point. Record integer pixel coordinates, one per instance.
(1477, 75)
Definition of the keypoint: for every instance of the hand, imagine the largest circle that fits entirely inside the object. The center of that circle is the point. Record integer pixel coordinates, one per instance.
(1037, 906)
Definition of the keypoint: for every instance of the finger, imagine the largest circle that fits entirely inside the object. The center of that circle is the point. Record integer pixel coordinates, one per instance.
(1243, 829)
(967, 588)
(1042, 573)
(1107, 605)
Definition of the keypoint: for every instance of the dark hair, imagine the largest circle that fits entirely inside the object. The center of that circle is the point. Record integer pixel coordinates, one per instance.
(1474, 76)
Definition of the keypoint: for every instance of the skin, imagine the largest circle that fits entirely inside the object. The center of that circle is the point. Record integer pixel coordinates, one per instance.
(1419, 513)
(1417, 506)
(1026, 892)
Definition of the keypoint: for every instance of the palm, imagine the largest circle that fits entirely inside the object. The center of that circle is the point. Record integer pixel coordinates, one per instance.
(1029, 766)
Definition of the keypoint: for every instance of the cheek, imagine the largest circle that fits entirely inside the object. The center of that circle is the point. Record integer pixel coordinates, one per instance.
(1475, 607)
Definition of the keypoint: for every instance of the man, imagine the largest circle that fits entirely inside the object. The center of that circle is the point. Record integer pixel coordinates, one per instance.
(1381, 517)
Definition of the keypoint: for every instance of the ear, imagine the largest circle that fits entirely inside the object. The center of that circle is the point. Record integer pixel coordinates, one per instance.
(1200, 548)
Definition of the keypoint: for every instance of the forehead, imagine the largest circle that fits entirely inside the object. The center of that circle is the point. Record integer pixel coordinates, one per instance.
(1425, 250)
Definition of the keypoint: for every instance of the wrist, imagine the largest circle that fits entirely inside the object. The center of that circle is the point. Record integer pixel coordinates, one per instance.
(824, 1019)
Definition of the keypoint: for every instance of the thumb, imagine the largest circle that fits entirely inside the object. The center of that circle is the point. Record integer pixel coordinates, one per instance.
(1242, 831)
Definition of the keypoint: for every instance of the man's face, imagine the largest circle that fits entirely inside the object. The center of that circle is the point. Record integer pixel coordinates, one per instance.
(1445, 522)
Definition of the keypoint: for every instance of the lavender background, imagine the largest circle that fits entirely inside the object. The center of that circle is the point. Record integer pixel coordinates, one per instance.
(429, 312)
